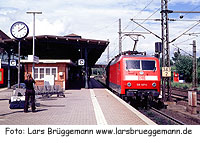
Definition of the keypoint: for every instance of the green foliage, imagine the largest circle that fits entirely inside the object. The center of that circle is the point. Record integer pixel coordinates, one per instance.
(184, 66)
(198, 61)
(181, 85)
(198, 74)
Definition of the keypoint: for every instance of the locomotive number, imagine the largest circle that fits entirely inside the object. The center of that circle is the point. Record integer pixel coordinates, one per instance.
(143, 84)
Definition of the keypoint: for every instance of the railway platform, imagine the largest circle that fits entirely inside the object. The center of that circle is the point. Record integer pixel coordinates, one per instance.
(93, 106)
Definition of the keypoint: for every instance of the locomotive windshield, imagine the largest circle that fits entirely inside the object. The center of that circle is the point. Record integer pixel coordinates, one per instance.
(148, 65)
(133, 64)
(140, 65)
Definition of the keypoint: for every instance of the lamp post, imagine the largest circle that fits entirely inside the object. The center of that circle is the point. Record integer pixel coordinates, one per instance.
(34, 13)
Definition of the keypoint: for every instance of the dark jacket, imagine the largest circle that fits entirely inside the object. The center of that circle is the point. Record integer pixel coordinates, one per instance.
(29, 84)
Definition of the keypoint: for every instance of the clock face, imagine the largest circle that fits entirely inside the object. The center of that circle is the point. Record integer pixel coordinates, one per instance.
(19, 30)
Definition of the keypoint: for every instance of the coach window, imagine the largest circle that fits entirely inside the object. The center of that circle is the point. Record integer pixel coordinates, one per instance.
(119, 67)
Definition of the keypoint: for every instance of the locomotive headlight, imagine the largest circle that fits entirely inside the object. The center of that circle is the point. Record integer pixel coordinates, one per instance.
(154, 84)
(129, 84)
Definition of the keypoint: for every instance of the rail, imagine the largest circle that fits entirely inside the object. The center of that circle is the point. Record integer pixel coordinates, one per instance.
(182, 94)
(167, 116)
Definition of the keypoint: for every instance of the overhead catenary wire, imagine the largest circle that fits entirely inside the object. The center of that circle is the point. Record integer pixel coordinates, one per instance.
(146, 29)
(147, 18)
(181, 49)
(180, 43)
(186, 40)
(139, 13)
(186, 27)
(148, 4)
(180, 20)
(143, 21)
(191, 10)
(185, 32)
(145, 7)
(187, 12)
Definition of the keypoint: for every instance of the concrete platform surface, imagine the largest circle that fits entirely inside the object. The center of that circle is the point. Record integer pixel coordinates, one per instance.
(94, 106)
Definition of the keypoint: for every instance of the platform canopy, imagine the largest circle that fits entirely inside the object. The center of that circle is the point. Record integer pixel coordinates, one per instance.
(58, 47)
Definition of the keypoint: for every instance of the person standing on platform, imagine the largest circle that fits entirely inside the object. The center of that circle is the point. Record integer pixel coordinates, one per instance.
(30, 93)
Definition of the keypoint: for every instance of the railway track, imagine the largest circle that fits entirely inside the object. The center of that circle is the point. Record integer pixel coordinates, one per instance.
(167, 116)
(160, 117)
(181, 94)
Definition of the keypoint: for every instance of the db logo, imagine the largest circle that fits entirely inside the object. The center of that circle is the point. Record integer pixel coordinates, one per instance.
(141, 78)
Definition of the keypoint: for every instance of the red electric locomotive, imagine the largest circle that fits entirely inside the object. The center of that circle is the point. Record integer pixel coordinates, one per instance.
(135, 77)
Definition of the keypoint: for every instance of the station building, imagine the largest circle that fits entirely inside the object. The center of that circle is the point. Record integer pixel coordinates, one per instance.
(50, 72)
(58, 57)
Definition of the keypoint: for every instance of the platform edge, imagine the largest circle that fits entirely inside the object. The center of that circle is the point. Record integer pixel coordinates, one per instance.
(140, 115)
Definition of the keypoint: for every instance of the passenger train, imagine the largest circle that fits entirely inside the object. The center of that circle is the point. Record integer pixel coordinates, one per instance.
(135, 77)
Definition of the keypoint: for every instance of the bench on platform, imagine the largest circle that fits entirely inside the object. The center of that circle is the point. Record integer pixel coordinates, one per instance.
(49, 90)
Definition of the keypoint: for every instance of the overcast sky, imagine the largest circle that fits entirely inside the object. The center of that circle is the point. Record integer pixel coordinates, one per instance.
(98, 19)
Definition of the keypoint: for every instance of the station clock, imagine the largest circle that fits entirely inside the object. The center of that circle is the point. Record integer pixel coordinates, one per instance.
(19, 30)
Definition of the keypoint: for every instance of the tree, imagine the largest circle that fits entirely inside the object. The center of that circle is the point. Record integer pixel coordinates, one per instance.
(198, 75)
(183, 66)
